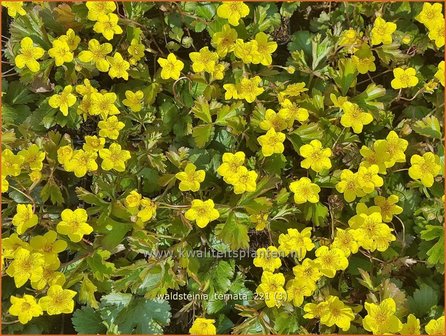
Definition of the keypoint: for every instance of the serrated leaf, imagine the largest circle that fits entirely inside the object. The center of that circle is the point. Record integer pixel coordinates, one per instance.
(429, 127)
(88, 321)
(422, 300)
(202, 134)
(233, 233)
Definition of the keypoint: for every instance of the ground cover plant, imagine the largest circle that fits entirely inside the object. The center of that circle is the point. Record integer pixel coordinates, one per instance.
(203, 168)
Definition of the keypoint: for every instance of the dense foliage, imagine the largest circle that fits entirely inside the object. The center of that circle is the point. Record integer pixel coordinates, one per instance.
(222, 168)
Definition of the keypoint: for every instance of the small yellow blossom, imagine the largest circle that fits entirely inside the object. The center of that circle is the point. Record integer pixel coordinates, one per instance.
(315, 157)
(411, 327)
(110, 127)
(224, 40)
(267, 258)
(430, 14)
(74, 224)
(305, 191)
(58, 300)
(97, 53)
(97, 9)
(355, 117)
(107, 25)
(425, 168)
(249, 89)
(170, 67)
(393, 148)
(382, 31)
(11, 163)
(368, 178)
(61, 52)
(28, 55)
(330, 260)
(273, 120)
(63, 100)
(82, 162)
(272, 142)
(388, 207)
(202, 212)
(24, 308)
(134, 100)
(233, 11)
(296, 242)
(204, 60)
(440, 74)
(103, 104)
(114, 157)
(380, 318)
(136, 50)
(435, 327)
(118, 67)
(404, 78)
(335, 312)
(230, 164)
(203, 326)
(24, 218)
(71, 38)
(265, 48)
(271, 289)
(93, 143)
(14, 8)
(345, 240)
(190, 178)
(25, 266)
(33, 157)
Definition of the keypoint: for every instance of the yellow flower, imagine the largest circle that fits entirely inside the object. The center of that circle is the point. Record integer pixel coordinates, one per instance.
(296, 242)
(368, 178)
(133, 100)
(429, 87)
(382, 31)
(82, 162)
(25, 266)
(64, 154)
(243, 180)
(93, 143)
(110, 127)
(271, 288)
(364, 64)
(247, 51)
(190, 178)
(224, 41)
(345, 240)
(315, 157)
(335, 312)
(11, 244)
(380, 318)
(296, 290)
(370, 157)
(133, 200)
(136, 50)
(33, 157)
(308, 271)
(268, 259)
(24, 218)
(97, 9)
(24, 308)
(58, 300)
(440, 73)
(204, 60)
(107, 25)
(361, 208)
(219, 71)
(265, 48)
(330, 260)
(372, 233)
(305, 191)
(28, 55)
(71, 38)
(11, 163)
(272, 142)
(5, 184)
(203, 326)
(202, 212)
(103, 104)
(355, 117)
(118, 67)
(233, 11)
(231, 91)
(63, 100)
(349, 38)
(314, 310)
(170, 67)
(50, 276)
(411, 327)
(273, 120)
(430, 13)
(290, 112)
(388, 207)
(147, 212)
(230, 164)
(74, 224)
(61, 52)
(86, 89)
(35, 176)
(294, 90)
(436, 33)
(392, 148)
(48, 245)
(435, 327)
(96, 53)
(404, 78)
(114, 157)
(249, 89)
(260, 220)
(425, 168)
(14, 8)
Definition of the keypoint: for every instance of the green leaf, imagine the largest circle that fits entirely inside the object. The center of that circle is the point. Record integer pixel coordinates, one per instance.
(88, 321)
(221, 276)
(201, 110)
(101, 268)
(233, 233)
(346, 75)
(422, 300)
(429, 127)
(52, 191)
(202, 134)
(436, 252)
